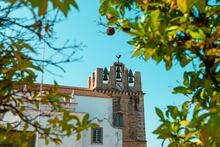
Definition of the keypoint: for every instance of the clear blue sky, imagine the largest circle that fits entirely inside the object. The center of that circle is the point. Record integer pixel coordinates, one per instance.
(101, 49)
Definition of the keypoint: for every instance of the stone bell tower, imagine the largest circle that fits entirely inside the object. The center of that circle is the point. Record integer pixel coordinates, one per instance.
(124, 86)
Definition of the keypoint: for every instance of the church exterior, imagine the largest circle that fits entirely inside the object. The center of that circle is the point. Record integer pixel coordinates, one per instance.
(114, 99)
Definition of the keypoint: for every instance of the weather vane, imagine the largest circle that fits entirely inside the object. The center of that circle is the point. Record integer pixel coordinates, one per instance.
(118, 56)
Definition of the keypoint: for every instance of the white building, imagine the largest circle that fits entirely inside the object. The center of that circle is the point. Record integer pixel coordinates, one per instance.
(114, 100)
(105, 136)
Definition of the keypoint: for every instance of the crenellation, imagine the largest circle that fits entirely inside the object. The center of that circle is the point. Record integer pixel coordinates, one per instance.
(137, 81)
(98, 78)
(125, 78)
(112, 77)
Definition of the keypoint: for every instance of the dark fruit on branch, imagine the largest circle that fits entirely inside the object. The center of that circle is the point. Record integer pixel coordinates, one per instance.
(126, 29)
(110, 31)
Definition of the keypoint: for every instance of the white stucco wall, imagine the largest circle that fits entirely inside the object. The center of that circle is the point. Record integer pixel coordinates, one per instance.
(96, 107)
(112, 137)
(66, 141)
(100, 111)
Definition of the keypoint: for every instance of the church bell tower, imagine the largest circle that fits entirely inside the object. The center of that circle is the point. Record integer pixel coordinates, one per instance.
(124, 86)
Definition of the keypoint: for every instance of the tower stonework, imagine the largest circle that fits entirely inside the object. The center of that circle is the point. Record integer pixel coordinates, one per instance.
(124, 86)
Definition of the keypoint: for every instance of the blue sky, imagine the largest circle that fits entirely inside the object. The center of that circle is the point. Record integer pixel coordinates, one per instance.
(101, 49)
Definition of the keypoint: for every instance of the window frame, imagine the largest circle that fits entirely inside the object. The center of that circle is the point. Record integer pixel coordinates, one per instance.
(118, 120)
(92, 136)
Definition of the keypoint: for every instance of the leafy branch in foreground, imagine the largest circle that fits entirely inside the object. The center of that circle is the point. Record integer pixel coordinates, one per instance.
(24, 27)
(182, 31)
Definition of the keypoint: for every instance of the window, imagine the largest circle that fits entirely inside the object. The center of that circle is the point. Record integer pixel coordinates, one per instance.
(97, 135)
(118, 120)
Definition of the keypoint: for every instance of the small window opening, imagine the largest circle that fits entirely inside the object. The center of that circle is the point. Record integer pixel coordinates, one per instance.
(97, 135)
(118, 120)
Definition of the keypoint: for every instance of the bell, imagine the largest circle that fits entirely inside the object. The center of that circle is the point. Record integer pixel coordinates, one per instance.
(105, 77)
(118, 69)
(130, 76)
(105, 74)
(118, 72)
(130, 80)
(118, 75)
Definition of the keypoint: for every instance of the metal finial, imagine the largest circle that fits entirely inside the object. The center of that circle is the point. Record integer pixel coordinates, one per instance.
(118, 56)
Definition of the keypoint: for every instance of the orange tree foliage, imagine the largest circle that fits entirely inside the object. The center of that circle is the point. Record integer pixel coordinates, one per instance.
(183, 31)
(24, 26)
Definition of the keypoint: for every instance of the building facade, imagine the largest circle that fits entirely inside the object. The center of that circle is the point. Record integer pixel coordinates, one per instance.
(114, 99)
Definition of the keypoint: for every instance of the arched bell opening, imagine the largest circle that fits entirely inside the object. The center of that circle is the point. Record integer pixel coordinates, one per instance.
(105, 76)
(118, 73)
(130, 78)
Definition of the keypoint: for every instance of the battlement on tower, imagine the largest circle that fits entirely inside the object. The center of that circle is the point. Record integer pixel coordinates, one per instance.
(116, 77)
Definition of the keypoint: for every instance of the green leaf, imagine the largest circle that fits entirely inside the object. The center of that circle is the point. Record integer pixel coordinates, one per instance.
(158, 130)
(182, 90)
(185, 105)
(42, 10)
(78, 122)
(168, 65)
(104, 7)
(164, 133)
(185, 5)
(112, 11)
(148, 53)
(122, 10)
(74, 4)
(172, 28)
(207, 84)
(184, 61)
(137, 53)
(64, 6)
(78, 136)
(159, 113)
(85, 121)
(197, 34)
(186, 78)
(154, 22)
(94, 125)
(173, 111)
